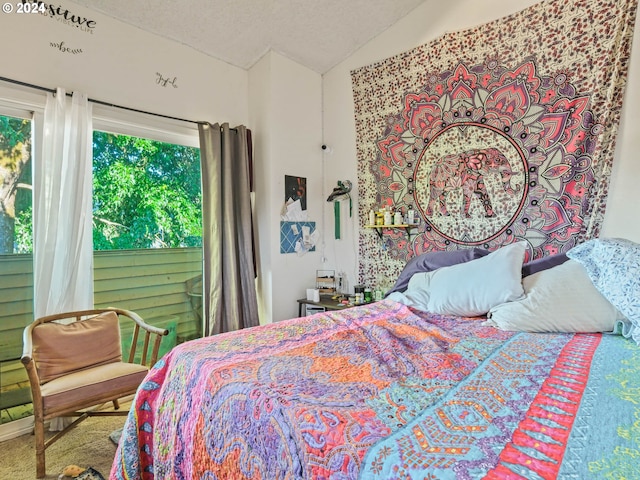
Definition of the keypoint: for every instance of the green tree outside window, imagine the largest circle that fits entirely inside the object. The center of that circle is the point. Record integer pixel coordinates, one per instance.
(15, 185)
(146, 194)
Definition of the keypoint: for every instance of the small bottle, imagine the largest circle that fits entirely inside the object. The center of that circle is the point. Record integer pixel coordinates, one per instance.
(397, 218)
(387, 218)
(368, 295)
(372, 217)
(410, 216)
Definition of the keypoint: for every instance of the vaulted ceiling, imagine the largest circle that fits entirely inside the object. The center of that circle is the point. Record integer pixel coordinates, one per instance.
(318, 34)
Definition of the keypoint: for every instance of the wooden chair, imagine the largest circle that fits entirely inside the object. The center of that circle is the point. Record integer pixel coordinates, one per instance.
(75, 366)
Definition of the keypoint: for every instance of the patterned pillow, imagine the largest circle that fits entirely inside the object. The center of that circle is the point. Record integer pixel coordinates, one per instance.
(613, 265)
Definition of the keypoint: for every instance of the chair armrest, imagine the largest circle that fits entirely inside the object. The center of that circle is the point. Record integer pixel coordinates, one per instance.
(27, 344)
(30, 364)
(139, 321)
(149, 329)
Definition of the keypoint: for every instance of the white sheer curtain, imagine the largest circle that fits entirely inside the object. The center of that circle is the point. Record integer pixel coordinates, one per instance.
(63, 247)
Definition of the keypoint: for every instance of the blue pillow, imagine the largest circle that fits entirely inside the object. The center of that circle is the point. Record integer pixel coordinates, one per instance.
(428, 262)
(613, 265)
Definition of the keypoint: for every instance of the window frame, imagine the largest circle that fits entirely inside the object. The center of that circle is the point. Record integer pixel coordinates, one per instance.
(28, 103)
(134, 124)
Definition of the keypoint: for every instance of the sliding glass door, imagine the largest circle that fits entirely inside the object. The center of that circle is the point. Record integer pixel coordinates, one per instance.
(147, 236)
(16, 260)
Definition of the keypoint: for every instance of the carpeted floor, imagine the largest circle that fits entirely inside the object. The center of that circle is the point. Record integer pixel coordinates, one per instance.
(88, 445)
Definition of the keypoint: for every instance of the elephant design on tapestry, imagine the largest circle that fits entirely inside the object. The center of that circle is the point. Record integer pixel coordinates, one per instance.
(466, 172)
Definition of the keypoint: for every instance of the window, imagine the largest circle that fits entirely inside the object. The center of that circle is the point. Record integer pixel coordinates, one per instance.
(16, 262)
(146, 193)
(147, 230)
(15, 187)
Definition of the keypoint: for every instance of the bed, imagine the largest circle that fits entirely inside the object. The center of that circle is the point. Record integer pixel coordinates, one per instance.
(391, 391)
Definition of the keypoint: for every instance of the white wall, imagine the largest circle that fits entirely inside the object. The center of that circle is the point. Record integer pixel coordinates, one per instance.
(286, 110)
(425, 23)
(261, 116)
(119, 64)
(622, 218)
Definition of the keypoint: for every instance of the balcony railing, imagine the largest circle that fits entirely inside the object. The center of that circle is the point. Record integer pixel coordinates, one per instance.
(158, 284)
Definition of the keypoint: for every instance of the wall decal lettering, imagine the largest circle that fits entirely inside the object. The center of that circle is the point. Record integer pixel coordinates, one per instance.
(61, 46)
(61, 14)
(162, 81)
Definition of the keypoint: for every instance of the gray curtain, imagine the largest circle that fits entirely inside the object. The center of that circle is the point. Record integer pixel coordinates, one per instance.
(229, 297)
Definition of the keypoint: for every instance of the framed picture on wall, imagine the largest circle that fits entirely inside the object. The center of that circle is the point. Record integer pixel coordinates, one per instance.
(295, 188)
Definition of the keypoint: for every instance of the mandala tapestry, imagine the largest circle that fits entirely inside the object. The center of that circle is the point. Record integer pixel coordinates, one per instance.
(497, 134)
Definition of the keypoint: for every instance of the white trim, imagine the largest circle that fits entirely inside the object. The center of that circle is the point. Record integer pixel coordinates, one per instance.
(11, 111)
(22, 102)
(115, 120)
(21, 99)
(16, 428)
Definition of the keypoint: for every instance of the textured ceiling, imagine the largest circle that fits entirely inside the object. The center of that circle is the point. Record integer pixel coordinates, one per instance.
(318, 34)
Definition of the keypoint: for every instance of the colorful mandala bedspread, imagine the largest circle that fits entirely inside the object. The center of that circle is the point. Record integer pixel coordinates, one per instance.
(384, 391)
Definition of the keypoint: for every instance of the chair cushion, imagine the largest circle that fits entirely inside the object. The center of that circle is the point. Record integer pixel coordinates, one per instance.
(92, 385)
(59, 349)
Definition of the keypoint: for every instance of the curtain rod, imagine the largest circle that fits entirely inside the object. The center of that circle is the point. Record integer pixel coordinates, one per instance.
(50, 90)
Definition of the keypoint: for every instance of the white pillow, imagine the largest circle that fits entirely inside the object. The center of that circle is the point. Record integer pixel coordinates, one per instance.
(470, 289)
(560, 299)
(417, 293)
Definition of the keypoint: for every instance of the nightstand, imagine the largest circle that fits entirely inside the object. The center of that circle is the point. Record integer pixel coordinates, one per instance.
(325, 302)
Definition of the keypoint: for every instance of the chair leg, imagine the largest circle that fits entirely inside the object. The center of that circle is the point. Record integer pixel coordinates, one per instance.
(40, 447)
(116, 405)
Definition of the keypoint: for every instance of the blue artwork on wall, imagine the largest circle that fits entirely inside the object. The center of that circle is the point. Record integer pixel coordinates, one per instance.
(291, 233)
